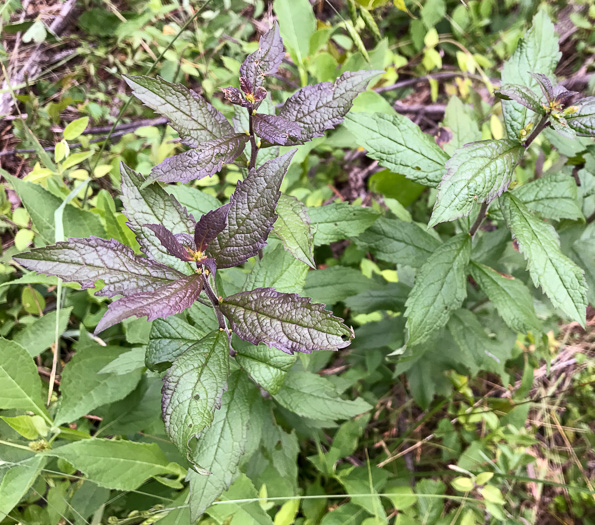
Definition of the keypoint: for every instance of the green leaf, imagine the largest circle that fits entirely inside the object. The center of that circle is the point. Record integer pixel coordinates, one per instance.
(340, 220)
(293, 228)
(440, 288)
(399, 145)
(537, 52)
(16, 480)
(40, 335)
(312, 396)
(219, 450)
(477, 173)
(83, 388)
(398, 242)
(195, 201)
(285, 321)
(191, 115)
(583, 253)
(76, 128)
(521, 94)
(561, 280)
(119, 465)
(583, 120)
(369, 481)
(462, 484)
(391, 296)
(30, 427)
(297, 24)
(336, 283)
(20, 386)
(510, 296)
(492, 494)
(266, 366)
(460, 119)
(192, 389)
(553, 196)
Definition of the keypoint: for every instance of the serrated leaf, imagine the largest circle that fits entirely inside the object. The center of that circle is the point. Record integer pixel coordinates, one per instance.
(85, 261)
(391, 296)
(118, 465)
(293, 228)
(440, 288)
(553, 196)
(17, 480)
(153, 205)
(275, 129)
(195, 201)
(20, 386)
(323, 106)
(561, 280)
(204, 161)
(40, 335)
(192, 389)
(266, 60)
(476, 173)
(510, 296)
(84, 389)
(285, 321)
(399, 145)
(221, 447)
(312, 396)
(521, 94)
(251, 214)
(209, 226)
(191, 115)
(266, 366)
(461, 120)
(340, 220)
(336, 283)
(583, 120)
(398, 242)
(537, 52)
(171, 337)
(164, 301)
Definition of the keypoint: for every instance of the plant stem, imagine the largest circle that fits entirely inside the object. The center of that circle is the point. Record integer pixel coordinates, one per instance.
(483, 211)
(253, 146)
(541, 125)
(215, 302)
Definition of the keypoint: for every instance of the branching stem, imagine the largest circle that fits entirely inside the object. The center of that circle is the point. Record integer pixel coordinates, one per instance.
(483, 211)
(253, 146)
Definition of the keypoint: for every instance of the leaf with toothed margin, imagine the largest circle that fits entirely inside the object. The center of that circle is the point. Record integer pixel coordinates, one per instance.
(583, 120)
(153, 205)
(218, 452)
(323, 106)
(275, 129)
(400, 145)
(170, 242)
(440, 288)
(545, 84)
(266, 60)
(191, 115)
(521, 94)
(561, 280)
(293, 228)
(204, 161)
(251, 214)
(476, 173)
(85, 261)
(167, 300)
(285, 321)
(192, 389)
(209, 226)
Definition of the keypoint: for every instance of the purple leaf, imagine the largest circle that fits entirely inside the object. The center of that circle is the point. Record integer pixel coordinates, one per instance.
(521, 94)
(285, 321)
(167, 300)
(545, 85)
(251, 214)
(171, 242)
(203, 161)
(209, 226)
(191, 115)
(235, 96)
(323, 106)
(275, 129)
(85, 261)
(265, 61)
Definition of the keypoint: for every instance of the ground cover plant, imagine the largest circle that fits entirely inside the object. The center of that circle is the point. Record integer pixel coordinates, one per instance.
(303, 289)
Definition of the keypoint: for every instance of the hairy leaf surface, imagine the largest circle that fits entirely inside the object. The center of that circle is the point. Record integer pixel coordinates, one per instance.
(191, 115)
(209, 226)
(583, 120)
(476, 173)
(265, 60)
(510, 296)
(323, 106)
(293, 228)
(561, 280)
(398, 242)
(167, 300)
(285, 321)
(192, 389)
(251, 214)
(521, 94)
(85, 261)
(276, 130)
(340, 220)
(440, 288)
(399, 145)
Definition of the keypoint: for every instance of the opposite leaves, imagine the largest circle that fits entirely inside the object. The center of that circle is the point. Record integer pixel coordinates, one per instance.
(561, 280)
